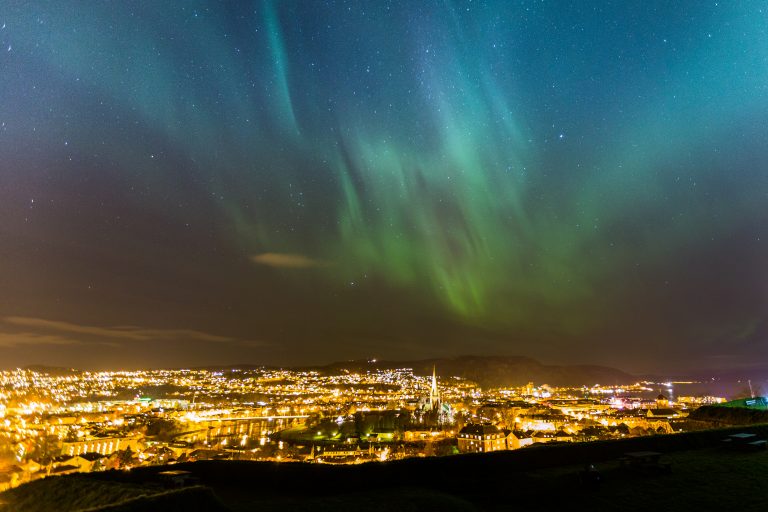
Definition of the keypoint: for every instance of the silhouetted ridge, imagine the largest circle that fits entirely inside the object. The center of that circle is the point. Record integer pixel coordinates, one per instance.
(496, 371)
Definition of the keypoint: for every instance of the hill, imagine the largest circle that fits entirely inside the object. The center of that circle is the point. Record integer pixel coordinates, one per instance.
(723, 415)
(58, 371)
(704, 476)
(497, 371)
(487, 371)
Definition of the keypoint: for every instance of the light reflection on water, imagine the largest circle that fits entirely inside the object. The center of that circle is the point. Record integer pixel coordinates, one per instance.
(730, 389)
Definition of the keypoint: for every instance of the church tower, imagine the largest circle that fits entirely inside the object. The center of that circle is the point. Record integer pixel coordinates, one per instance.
(434, 394)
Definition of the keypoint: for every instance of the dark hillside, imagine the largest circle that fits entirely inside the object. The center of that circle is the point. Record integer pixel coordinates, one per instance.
(702, 470)
(727, 416)
(177, 500)
(497, 371)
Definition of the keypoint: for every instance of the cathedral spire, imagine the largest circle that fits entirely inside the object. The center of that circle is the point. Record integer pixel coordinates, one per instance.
(434, 397)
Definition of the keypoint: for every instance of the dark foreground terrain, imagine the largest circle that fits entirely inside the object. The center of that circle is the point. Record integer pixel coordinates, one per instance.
(702, 475)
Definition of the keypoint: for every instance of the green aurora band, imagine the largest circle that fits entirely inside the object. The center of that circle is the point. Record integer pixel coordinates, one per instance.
(533, 169)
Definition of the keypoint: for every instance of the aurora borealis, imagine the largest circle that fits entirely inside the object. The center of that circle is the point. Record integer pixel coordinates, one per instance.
(186, 183)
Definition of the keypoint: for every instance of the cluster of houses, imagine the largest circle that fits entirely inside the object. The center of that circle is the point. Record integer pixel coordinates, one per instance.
(562, 422)
(492, 426)
(30, 470)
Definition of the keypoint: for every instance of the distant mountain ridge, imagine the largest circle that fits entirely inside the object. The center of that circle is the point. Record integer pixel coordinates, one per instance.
(487, 371)
(59, 371)
(496, 371)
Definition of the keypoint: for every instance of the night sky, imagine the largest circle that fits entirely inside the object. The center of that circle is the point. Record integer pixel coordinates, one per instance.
(295, 182)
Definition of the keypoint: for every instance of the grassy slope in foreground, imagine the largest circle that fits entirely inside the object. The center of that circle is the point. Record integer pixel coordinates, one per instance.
(704, 477)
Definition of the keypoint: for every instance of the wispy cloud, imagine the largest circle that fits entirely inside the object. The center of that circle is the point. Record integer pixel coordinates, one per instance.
(20, 339)
(66, 333)
(286, 260)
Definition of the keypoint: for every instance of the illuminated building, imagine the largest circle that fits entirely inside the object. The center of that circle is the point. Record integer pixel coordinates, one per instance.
(437, 411)
(476, 438)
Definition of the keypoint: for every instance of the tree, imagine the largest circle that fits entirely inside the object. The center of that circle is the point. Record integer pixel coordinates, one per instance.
(124, 458)
(163, 430)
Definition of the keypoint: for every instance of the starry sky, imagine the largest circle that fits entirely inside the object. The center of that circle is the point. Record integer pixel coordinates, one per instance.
(292, 182)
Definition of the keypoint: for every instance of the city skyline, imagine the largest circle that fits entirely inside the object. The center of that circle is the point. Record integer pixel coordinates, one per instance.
(293, 183)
